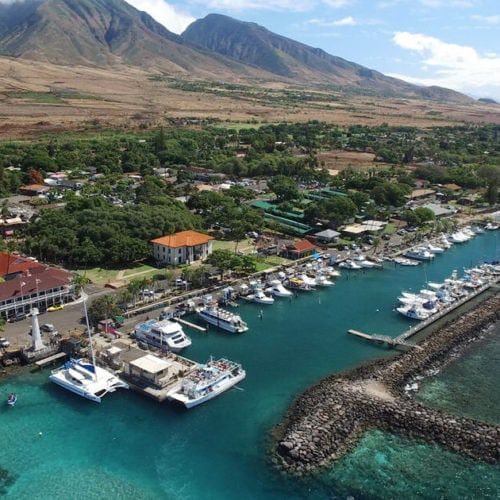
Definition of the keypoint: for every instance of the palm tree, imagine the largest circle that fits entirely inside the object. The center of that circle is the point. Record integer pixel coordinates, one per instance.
(79, 281)
(134, 287)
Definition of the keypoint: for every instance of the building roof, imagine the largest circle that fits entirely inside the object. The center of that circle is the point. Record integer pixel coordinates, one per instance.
(419, 193)
(42, 278)
(301, 246)
(151, 364)
(327, 234)
(439, 209)
(183, 239)
(452, 187)
(11, 263)
(355, 229)
(34, 188)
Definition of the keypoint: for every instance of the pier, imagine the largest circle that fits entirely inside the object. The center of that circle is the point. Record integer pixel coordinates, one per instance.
(383, 339)
(51, 359)
(191, 325)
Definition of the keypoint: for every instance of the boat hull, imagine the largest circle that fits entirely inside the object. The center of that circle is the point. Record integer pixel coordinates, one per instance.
(222, 325)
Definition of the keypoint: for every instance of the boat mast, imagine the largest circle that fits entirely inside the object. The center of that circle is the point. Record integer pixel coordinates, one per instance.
(92, 354)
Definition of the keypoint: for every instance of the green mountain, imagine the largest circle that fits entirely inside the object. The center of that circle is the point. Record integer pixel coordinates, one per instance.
(252, 44)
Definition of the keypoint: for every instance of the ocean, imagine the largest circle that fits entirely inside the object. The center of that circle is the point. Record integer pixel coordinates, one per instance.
(58, 446)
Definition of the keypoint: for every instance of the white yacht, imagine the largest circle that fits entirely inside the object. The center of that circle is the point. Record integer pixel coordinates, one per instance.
(207, 382)
(419, 254)
(307, 280)
(163, 334)
(361, 261)
(414, 312)
(458, 237)
(278, 290)
(406, 262)
(221, 318)
(491, 226)
(349, 264)
(259, 297)
(322, 281)
(332, 272)
(297, 284)
(84, 377)
(434, 248)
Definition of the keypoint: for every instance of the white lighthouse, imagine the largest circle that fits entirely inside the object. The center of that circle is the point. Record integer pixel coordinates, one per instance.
(36, 337)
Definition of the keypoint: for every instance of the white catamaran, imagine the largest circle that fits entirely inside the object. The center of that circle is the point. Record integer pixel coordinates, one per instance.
(84, 377)
(207, 382)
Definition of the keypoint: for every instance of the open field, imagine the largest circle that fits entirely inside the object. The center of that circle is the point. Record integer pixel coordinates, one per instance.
(100, 276)
(38, 97)
(335, 161)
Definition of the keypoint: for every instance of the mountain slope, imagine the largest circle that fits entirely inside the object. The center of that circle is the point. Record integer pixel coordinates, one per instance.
(99, 32)
(253, 44)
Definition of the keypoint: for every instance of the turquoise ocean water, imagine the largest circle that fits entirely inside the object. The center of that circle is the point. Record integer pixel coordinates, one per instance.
(58, 446)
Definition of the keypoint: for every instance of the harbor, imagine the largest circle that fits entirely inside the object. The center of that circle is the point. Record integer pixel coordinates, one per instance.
(292, 346)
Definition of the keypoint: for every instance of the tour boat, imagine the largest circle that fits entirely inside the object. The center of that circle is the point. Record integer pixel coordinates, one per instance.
(163, 334)
(12, 399)
(413, 312)
(278, 290)
(84, 377)
(207, 382)
(419, 254)
(222, 319)
(298, 284)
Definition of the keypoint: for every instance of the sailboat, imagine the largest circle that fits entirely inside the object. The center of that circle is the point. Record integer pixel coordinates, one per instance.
(84, 377)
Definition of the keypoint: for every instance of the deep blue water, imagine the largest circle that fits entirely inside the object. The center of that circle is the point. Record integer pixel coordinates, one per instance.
(131, 447)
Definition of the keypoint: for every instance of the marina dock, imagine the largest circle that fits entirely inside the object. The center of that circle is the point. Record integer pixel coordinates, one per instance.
(43, 362)
(191, 325)
(383, 339)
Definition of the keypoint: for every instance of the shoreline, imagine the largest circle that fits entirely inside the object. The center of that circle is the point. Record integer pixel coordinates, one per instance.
(328, 419)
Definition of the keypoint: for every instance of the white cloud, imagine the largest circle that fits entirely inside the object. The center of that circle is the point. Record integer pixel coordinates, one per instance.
(166, 14)
(238, 5)
(487, 19)
(337, 4)
(462, 4)
(346, 21)
(450, 65)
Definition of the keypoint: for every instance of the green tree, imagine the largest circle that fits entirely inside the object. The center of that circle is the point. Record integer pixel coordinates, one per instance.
(491, 176)
(103, 308)
(223, 260)
(284, 188)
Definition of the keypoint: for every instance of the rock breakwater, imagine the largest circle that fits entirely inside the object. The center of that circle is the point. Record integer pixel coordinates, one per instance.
(327, 420)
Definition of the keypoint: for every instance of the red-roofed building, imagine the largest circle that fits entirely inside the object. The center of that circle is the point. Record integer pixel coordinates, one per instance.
(40, 287)
(12, 264)
(299, 249)
(182, 248)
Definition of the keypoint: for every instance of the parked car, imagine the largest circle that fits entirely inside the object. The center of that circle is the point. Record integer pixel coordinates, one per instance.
(147, 293)
(47, 327)
(180, 282)
(58, 307)
(4, 343)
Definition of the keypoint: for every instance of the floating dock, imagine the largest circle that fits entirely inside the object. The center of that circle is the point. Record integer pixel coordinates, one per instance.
(190, 325)
(42, 362)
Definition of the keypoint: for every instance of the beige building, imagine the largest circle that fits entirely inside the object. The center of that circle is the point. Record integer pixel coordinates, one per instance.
(181, 248)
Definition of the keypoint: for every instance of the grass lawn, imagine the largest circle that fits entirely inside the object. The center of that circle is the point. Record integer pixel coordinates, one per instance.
(100, 276)
(390, 228)
(245, 246)
(271, 261)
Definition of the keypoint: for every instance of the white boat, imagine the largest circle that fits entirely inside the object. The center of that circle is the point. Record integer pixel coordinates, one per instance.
(413, 312)
(259, 297)
(207, 382)
(349, 264)
(406, 262)
(361, 261)
(332, 272)
(322, 280)
(162, 334)
(419, 254)
(307, 280)
(222, 319)
(477, 229)
(12, 399)
(491, 226)
(434, 249)
(458, 237)
(298, 284)
(278, 290)
(84, 377)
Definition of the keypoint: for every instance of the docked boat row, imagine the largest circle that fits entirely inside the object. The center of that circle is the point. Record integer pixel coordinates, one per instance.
(429, 301)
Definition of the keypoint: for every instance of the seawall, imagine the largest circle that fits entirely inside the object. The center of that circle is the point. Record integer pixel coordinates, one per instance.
(327, 420)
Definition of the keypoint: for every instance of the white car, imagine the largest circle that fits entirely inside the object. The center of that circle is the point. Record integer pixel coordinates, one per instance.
(4, 343)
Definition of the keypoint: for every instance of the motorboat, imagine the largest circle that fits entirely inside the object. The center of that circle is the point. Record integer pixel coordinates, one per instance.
(459, 237)
(298, 284)
(83, 377)
(322, 281)
(361, 261)
(307, 279)
(349, 264)
(12, 399)
(221, 318)
(491, 226)
(278, 290)
(477, 229)
(419, 254)
(207, 382)
(406, 262)
(164, 334)
(468, 232)
(332, 272)
(413, 312)
(426, 294)
(434, 249)
(259, 297)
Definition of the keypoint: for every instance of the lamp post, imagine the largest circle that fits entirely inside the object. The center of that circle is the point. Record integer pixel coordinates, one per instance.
(21, 284)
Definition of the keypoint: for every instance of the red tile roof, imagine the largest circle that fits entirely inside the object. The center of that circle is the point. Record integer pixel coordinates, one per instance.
(183, 239)
(303, 246)
(47, 277)
(11, 263)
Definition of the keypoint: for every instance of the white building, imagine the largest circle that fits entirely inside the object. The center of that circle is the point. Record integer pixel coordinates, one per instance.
(181, 248)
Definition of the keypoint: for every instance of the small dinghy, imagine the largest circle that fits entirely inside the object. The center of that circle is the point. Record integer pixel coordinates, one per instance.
(12, 399)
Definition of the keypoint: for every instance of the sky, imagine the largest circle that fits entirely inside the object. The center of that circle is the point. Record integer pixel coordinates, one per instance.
(451, 43)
